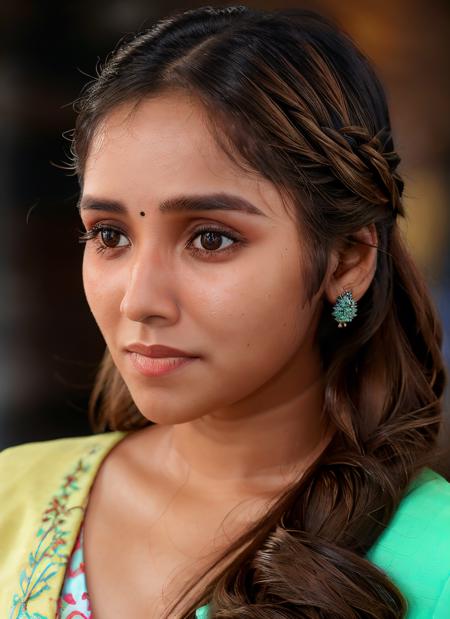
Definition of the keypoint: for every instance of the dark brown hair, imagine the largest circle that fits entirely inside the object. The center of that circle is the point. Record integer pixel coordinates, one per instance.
(289, 95)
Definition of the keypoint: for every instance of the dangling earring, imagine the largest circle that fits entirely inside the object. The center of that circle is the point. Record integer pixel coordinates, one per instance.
(345, 309)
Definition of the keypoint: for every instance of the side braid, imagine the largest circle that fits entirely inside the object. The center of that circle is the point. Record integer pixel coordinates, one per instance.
(367, 154)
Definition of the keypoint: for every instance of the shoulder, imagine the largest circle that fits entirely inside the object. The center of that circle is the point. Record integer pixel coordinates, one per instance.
(414, 549)
(44, 487)
(32, 458)
(425, 507)
(424, 511)
(32, 474)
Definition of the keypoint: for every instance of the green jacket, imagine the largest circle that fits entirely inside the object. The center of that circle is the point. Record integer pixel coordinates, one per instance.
(44, 489)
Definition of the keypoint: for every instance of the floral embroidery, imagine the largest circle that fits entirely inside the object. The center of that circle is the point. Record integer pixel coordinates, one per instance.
(49, 556)
(74, 600)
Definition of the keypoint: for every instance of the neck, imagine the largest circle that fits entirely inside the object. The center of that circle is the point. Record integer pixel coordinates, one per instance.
(256, 447)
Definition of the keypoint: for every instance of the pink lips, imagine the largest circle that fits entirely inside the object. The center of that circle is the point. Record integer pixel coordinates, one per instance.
(157, 360)
(157, 350)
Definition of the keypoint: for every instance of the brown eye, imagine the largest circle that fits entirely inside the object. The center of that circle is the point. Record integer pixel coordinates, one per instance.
(110, 237)
(104, 238)
(211, 240)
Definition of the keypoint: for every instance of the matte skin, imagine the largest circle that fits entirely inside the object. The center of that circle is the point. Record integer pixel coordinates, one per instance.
(244, 419)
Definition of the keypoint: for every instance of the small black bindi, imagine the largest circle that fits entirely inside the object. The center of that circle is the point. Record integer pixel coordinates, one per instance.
(142, 213)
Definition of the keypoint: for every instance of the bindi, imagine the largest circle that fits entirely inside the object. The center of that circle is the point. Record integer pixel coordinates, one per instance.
(142, 213)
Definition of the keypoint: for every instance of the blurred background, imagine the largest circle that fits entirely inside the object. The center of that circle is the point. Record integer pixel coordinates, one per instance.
(50, 345)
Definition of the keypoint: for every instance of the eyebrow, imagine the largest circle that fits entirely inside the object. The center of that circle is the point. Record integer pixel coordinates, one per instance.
(182, 203)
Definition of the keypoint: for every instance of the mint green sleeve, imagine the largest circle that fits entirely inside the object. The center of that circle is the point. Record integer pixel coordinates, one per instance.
(442, 610)
(202, 612)
(414, 549)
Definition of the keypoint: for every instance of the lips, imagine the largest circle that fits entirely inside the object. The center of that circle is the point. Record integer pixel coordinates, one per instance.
(155, 367)
(157, 350)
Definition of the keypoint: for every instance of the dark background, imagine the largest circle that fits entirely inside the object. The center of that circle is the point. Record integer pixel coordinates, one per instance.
(50, 344)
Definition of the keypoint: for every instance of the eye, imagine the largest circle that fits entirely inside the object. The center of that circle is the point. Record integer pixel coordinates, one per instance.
(210, 238)
(109, 237)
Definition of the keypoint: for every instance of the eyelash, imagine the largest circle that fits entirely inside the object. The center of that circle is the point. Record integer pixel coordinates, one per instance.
(93, 234)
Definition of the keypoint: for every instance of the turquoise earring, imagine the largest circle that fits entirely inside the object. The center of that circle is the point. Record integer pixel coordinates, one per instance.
(344, 310)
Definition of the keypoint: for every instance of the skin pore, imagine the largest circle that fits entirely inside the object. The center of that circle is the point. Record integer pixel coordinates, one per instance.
(244, 418)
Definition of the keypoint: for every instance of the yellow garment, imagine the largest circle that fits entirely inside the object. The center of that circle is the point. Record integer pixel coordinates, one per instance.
(43, 492)
(44, 488)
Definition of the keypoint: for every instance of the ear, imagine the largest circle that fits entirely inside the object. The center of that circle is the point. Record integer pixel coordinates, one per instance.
(353, 264)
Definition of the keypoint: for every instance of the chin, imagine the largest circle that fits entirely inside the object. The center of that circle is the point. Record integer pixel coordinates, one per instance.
(164, 414)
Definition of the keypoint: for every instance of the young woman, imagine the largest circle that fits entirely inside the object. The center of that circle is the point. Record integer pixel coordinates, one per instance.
(273, 376)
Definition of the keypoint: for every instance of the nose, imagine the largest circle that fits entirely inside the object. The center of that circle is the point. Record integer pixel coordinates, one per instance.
(149, 289)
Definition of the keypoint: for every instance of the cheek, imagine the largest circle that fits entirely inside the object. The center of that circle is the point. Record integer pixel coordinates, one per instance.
(256, 314)
(100, 292)
(89, 280)
(253, 325)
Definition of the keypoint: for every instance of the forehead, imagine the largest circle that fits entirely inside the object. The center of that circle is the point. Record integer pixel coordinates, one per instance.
(163, 130)
(161, 147)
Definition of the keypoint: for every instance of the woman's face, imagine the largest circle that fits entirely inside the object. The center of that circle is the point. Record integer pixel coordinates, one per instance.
(231, 296)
